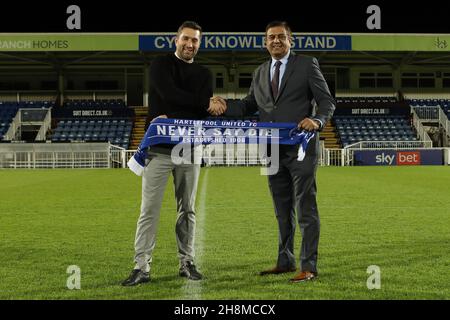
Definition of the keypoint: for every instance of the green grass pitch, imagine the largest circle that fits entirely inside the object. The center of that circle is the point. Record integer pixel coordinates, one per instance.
(397, 218)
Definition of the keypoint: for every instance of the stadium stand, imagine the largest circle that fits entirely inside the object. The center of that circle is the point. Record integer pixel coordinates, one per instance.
(336, 135)
(346, 130)
(352, 129)
(116, 130)
(422, 107)
(127, 132)
(8, 111)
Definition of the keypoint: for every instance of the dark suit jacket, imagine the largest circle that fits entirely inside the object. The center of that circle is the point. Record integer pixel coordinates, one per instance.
(302, 81)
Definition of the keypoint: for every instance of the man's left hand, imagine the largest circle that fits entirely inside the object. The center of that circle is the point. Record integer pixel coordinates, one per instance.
(217, 106)
(309, 124)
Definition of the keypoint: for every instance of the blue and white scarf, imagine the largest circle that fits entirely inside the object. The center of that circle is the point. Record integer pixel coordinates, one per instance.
(196, 132)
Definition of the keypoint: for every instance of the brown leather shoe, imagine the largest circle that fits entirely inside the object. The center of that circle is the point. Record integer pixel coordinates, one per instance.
(276, 270)
(304, 276)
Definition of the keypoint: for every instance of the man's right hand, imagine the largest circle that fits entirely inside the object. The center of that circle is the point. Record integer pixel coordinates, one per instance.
(161, 116)
(309, 124)
(217, 106)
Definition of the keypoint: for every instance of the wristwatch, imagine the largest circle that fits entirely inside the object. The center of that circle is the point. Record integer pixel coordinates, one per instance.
(318, 122)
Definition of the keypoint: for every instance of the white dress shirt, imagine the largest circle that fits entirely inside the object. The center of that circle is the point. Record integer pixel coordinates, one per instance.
(284, 62)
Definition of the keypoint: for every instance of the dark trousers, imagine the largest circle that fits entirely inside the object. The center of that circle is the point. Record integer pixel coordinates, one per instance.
(294, 191)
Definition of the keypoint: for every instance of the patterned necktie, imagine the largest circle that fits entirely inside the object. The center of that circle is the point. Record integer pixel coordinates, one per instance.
(276, 79)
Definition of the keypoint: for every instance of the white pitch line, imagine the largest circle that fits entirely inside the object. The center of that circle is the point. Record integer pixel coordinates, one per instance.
(193, 289)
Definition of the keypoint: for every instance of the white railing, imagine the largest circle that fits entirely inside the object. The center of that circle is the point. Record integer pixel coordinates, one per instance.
(15, 124)
(448, 129)
(233, 155)
(216, 156)
(41, 136)
(422, 133)
(322, 153)
(335, 158)
(444, 122)
(213, 155)
(447, 156)
(128, 155)
(428, 113)
(54, 155)
(120, 156)
(117, 156)
(390, 144)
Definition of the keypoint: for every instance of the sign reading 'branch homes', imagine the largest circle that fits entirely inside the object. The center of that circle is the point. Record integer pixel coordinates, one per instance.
(68, 42)
(30, 45)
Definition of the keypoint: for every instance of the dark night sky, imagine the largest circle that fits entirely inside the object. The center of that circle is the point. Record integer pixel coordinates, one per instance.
(232, 16)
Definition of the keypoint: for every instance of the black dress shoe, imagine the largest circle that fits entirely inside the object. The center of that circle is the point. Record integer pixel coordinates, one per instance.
(189, 271)
(136, 276)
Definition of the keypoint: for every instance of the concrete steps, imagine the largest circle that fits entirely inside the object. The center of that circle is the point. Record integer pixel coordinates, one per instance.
(330, 137)
(138, 130)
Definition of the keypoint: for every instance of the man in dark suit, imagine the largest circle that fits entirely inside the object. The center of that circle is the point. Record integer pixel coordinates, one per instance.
(282, 90)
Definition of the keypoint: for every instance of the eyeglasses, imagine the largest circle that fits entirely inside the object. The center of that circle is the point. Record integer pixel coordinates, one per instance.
(281, 37)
